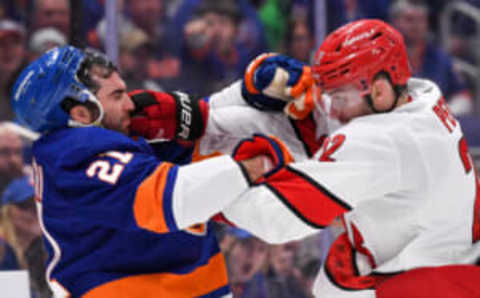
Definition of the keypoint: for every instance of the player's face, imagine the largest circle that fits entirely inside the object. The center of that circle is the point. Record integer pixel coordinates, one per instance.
(347, 103)
(23, 216)
(11, 53)
(116, 103)
(11, 155)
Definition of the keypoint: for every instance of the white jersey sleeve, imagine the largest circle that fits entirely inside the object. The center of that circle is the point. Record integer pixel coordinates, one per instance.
(231, 119)
(354, 165)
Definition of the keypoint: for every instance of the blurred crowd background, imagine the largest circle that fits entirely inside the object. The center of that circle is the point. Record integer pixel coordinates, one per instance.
(200, 46)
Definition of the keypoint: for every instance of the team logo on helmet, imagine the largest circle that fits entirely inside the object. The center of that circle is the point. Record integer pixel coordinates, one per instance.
(318, 57)
(24, 84)
(53, 58)
(358, 37)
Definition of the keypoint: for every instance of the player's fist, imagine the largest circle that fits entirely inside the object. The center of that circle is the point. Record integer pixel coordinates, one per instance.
(266, 154)
(277, 82)
(168, 116)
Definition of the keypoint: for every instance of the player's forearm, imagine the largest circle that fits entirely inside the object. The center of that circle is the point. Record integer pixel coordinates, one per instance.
(205, 188)
(231, 119)
(261, 213)
(174, 198)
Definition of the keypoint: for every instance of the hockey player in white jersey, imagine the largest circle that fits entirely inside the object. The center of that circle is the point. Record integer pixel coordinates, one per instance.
(398, 173)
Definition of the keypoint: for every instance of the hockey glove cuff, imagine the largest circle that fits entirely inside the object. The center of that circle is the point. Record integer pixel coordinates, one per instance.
(275, 82)
(270, 147)
(169, 116)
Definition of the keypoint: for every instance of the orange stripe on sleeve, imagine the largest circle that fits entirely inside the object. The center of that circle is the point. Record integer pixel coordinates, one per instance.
(250, 73)
(285, 152)
(199, 157)
(148, 206)
(201, 281)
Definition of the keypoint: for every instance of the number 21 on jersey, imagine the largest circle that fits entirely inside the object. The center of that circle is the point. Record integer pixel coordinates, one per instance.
(109, 170)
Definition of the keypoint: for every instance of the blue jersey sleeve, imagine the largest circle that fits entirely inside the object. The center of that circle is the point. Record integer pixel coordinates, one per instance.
(99, 181)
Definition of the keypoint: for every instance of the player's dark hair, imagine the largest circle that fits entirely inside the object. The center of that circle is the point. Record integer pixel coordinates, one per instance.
(95, 64)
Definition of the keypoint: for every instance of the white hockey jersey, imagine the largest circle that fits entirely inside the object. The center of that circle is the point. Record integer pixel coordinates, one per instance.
(231, 119)
(403, 182)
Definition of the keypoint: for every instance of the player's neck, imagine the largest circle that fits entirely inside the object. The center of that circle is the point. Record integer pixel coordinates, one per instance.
(404, 98)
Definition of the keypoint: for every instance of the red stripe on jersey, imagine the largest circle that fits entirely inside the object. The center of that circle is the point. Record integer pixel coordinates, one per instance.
(306, 132)
(452, 281)
(476, 211)
(314, 204)
(359, 245)
(341, 269)
(220, 217)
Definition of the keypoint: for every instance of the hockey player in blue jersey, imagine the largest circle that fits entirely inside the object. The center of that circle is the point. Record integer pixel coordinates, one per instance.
(119, 218)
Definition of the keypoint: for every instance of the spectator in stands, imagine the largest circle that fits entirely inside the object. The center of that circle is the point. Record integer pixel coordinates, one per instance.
(246, 260)
(8, 259)
(134, 54)
(150, 16)
(284, 280)
(274, 16)
(300, 41)
(93, 12)
(20, 220)
(3, 10)
(51, 13)
(137, 57)
(309, 272)
(140, 66)
(43, 40)
(428, 60)
(373, 9)
(211, 55)
(250, 33)
(15, 10)
(12, 56)
(22, 231)
(462, 41)
(11, 156)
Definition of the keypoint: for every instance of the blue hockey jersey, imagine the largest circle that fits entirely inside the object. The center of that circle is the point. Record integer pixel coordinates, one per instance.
(114, 216)
(121, 220)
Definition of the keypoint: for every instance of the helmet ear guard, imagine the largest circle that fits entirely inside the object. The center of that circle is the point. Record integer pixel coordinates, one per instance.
(91, 103)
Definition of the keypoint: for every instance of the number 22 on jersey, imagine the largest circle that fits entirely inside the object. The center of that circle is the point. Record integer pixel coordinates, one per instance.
(330, 146)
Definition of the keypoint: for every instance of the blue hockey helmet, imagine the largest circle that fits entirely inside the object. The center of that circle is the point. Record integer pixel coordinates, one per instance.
(43, 86)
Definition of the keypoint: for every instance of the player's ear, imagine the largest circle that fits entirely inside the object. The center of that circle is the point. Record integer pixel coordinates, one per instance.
(81, 114)
(383, 94)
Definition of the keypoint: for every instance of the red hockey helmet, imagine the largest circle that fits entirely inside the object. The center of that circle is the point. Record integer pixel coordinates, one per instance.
(356, 52)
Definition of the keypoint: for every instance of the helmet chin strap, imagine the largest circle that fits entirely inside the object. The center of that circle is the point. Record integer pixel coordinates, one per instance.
(101, 113)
